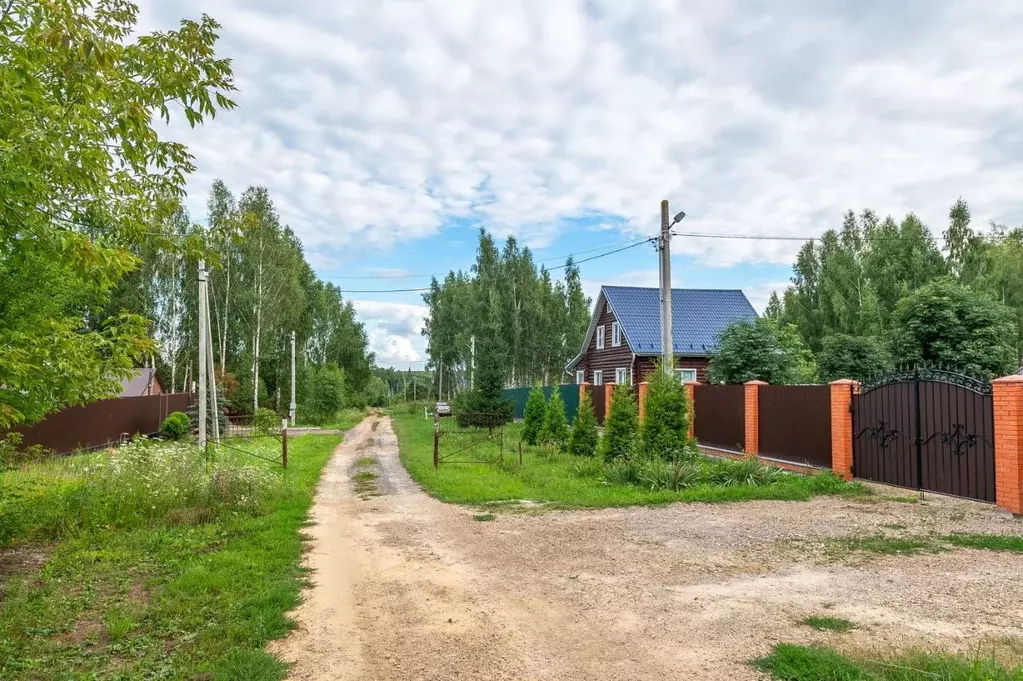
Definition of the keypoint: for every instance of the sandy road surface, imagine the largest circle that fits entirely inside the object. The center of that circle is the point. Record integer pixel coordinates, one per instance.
(409, 588)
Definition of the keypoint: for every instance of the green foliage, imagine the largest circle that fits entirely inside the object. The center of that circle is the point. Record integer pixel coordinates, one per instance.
(855, 357)
(555, 424)
(84, 172)
(325, 394)
(789, 662)
(664, 433)
(621, 427)
(12, 454)
(947, 324)
(541, 321)
(824, 623)
(584, 438)
(176, 425)
(763, 350)
(533, 416)
(484, 407)
(265, 421)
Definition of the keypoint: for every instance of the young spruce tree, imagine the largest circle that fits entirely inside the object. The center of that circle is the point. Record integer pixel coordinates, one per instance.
(583, 440)
(555, 425)
(620, 426)
(534, 415)
(664, 433)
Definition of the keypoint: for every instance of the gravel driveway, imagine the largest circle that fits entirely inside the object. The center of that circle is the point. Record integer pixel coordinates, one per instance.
(406, 587)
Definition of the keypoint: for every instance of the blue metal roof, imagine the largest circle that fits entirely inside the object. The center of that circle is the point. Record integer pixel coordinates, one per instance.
(698, 316)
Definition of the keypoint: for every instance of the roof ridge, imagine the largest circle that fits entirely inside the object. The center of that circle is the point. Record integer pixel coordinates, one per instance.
(673, 288)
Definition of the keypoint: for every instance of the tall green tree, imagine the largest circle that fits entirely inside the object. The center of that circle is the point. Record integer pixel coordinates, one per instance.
(855, 357)
(555, 423)
(761, 350)
(664, 433)
(584, 438)
(621, 427)
(533, 416)
(84, 175)
(947, 324)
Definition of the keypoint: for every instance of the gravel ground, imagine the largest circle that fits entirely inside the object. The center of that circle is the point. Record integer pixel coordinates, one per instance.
(409, 588)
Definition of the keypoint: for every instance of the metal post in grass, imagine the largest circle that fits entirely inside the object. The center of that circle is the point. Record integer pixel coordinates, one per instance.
(284, 443)
(436, 438)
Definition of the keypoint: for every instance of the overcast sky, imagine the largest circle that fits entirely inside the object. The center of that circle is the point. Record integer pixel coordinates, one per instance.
(388, 132)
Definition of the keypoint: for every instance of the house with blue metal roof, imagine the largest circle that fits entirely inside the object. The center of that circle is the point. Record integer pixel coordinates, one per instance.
(623, 341)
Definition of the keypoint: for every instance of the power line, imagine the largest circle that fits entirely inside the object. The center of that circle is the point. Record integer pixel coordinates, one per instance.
(766, 237)
(645, 240)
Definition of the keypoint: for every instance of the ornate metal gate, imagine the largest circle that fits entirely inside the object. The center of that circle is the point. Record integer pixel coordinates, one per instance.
(926, 429)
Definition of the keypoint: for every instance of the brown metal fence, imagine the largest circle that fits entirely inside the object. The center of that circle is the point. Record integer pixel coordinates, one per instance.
(597, 395)
(720, 416)
(104, 422)
(795, 423)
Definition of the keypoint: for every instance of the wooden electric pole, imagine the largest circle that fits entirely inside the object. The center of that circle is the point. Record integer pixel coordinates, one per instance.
(664, 250)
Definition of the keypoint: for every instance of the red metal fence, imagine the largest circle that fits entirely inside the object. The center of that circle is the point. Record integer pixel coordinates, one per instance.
(720, 416)
(104, 422)
(795, 423)
(597, 395)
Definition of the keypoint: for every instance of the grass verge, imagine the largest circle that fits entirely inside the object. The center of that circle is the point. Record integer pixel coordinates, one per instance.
(564, 481)
(789, 662)
(910, 545)
(191, 587)
(824, 623)
(346, 419)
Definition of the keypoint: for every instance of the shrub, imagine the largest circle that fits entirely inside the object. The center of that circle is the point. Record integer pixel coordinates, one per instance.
(11, 456)
(665, 431)
(621, 426)
(658, 474)
(856, 357)
(533, 416)
(176, 425)
(265, 421)
(584, 437)
(325, 394)
(555, 425)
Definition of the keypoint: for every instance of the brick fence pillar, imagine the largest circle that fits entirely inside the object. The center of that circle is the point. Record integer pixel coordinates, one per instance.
(608, 390)
(842, 392)
(583, 387)
(753, 417)
(1008, 403)
(642, 400)
(690, 388)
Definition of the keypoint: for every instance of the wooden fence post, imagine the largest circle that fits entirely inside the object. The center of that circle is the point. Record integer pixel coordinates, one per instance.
(642, 400)
(1008, 405)
(752, 395)
(690, 388)
(284, 443)
(436, 438)
(842, 392)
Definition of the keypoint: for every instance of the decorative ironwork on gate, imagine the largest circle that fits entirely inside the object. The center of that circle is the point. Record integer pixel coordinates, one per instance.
(930, 429)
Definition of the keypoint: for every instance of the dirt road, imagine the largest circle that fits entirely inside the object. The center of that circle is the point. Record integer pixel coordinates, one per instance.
(409, 588)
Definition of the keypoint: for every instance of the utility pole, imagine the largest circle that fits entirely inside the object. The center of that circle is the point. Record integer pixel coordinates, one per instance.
(212, 368)
(291, 411)
(664, 249)
(203, 406)
(440, 381)
(472, 364)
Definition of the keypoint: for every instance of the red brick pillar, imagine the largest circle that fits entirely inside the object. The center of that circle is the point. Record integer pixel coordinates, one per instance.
(608, 389)
(842, 392)
(583, 387)
(1008, 401)
(642, 400)
(691, 395)
(753, 417)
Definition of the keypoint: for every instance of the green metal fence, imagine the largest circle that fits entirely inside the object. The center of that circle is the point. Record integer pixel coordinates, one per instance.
(569, 395)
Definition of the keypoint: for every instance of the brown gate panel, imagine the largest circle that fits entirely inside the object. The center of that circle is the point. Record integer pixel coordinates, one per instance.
(720, 416)
(597, 396)
(101, 423)
(795, 423)
(927, 429)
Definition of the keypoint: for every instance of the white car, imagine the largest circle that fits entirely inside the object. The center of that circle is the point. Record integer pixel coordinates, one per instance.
(442, 409)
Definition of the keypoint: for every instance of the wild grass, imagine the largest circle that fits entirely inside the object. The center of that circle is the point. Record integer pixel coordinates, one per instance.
(825, 623)
(564, 481)
(346, 419)
(161, 568)
(789, 662)
(912, 545)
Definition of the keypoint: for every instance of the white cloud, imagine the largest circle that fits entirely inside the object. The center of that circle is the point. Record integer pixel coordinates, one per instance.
(395, 331)
(759, 294)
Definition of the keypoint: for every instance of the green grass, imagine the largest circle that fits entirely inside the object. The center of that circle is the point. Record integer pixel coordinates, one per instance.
(988, 542)
(911, 545)
(824, 623)
(484, 517)
(789, 662)
(346, 419)
(563, 481)
(180, 592)
(366, 462)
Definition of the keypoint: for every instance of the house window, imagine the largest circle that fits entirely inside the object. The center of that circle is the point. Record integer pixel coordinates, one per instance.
(686, 375)
(621, 376)
(600, 337)
(607, 308)
(598, 377)
(580, 376)
(616, 335)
